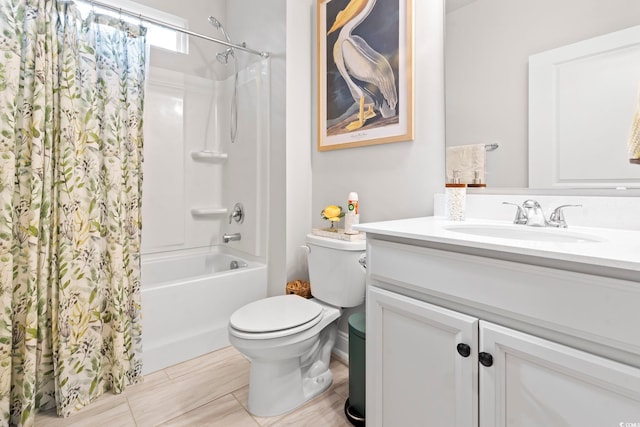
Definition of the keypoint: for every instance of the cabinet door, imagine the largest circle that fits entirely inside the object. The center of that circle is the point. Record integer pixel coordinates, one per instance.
(534, 382)
(415, 373)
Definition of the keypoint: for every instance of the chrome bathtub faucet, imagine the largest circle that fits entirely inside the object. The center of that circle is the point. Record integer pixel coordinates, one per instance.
(531, 214)
(233, 237)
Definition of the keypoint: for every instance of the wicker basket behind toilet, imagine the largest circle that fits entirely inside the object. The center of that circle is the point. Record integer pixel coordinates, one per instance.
(299, 287)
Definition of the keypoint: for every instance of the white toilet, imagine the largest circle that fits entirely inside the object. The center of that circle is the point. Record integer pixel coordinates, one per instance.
(289, 339)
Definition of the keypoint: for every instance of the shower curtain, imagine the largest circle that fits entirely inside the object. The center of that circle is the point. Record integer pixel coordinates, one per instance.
(71, 99)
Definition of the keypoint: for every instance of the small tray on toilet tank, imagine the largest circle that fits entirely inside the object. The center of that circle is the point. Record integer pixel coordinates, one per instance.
(338, 235)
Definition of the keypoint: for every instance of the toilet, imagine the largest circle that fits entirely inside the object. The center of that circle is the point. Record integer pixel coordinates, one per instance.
(288, 339)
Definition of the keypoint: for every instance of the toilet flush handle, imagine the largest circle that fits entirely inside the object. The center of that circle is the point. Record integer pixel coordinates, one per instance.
(363, 262)
(306, 248)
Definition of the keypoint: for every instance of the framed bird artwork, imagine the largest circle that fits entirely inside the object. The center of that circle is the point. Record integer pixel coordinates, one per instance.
(365, 72)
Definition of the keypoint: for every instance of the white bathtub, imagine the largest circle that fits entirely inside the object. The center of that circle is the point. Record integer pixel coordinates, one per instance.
(187, 299)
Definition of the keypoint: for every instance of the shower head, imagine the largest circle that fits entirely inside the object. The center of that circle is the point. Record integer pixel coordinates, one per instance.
(223, 57)
(218, 25)
(213, 21)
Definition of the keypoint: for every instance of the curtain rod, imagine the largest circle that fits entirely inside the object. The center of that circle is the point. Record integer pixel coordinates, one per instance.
(174, 27)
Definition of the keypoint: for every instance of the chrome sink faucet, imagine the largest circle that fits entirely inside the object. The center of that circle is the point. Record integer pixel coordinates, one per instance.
(535, 216)
(531, 214)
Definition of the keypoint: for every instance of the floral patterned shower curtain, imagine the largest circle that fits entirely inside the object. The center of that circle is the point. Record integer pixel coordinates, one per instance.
(71, 99)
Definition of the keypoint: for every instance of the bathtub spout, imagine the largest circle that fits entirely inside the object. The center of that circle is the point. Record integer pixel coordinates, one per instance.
(226, 238)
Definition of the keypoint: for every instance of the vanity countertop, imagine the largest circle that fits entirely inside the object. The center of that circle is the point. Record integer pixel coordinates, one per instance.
(612, 249)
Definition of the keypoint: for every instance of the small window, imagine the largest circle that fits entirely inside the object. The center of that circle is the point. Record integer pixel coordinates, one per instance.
(157, 36)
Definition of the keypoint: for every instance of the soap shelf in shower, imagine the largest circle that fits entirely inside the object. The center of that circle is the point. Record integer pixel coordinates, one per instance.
(208, 156)
(205, 212)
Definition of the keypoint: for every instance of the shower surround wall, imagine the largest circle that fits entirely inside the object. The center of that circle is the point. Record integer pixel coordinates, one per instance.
(191, 168)
(193, 176)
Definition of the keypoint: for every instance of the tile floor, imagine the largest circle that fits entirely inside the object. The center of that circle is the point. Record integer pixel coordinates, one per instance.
(210, 390)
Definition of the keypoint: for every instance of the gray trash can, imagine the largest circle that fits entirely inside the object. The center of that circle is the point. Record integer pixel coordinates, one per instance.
(354, 407)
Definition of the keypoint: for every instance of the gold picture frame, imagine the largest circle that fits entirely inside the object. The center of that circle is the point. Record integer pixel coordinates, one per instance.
(365, 72)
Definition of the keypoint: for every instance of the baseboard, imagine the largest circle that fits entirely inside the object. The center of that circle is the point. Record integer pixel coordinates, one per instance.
(341, 348)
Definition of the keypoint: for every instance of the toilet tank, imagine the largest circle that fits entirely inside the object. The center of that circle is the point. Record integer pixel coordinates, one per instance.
(335, 273)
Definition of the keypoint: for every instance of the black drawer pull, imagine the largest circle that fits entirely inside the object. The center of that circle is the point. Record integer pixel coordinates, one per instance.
(463, 350)
(485, 358)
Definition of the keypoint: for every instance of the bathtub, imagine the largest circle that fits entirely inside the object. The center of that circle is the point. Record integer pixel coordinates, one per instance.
(187, 299)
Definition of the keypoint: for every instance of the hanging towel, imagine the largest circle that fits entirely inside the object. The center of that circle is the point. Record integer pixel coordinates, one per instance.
(467, 159)
(634, 139)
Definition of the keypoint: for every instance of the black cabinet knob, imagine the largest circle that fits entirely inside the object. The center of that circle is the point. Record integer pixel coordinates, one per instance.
(485, 358)
(464, 350)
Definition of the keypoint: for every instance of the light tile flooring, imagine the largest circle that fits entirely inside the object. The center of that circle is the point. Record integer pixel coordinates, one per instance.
(210, 390)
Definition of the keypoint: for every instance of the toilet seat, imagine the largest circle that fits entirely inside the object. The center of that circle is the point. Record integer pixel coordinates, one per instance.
(275, 317)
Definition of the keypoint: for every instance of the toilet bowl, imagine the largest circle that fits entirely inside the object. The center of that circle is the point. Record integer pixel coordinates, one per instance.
(288, 339)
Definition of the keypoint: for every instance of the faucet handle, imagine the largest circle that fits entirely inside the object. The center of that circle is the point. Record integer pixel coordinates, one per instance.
(237, 214)
(556, 219)
(521, 215)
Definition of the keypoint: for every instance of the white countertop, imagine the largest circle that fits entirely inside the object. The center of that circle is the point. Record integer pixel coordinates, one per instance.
(618, 249)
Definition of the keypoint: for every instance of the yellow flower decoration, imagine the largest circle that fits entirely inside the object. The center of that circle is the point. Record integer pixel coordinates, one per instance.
(332, 212)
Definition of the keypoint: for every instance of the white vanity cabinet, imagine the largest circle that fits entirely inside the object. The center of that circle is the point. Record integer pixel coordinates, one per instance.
(415, 375)
(535, 382)
(461, 339)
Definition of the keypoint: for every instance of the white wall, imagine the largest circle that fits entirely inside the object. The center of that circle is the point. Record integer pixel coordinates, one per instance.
(263, 26)
(300, 18)
(488, 44)
(283, 28)
(395, 180)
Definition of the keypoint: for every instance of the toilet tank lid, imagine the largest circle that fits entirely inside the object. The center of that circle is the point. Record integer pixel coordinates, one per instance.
(344, 245)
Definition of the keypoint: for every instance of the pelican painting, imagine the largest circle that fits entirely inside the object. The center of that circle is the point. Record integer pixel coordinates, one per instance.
(367, 73)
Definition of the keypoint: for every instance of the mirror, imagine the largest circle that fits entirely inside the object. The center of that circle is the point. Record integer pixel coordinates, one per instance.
(487, 48)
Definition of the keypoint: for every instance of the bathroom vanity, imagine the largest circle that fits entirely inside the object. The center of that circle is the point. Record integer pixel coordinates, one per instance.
(486, 323)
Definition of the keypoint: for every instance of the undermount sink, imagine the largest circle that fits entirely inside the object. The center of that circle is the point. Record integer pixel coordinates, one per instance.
(522, 232)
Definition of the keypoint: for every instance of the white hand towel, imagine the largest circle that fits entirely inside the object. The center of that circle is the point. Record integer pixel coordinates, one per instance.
(467, 159)
(634, 139)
